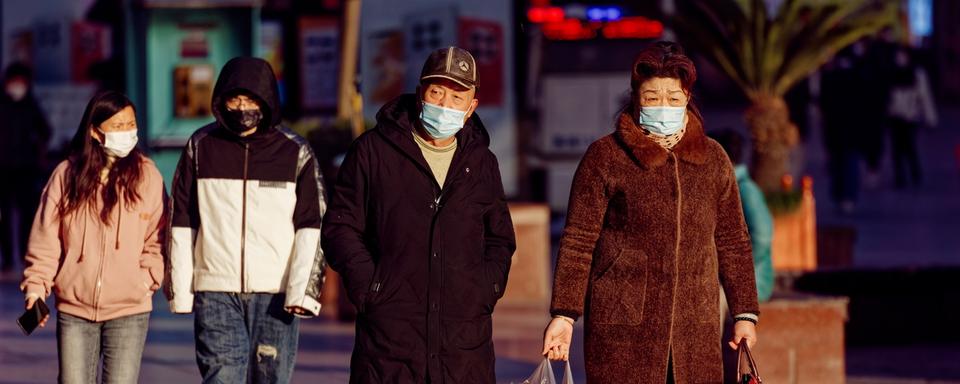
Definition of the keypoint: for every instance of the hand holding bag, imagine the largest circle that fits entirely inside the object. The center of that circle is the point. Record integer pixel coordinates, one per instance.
(544, 374)
(751, 377)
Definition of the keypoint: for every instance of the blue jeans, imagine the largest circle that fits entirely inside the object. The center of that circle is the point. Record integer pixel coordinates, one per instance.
(244, 337)
(82, 343)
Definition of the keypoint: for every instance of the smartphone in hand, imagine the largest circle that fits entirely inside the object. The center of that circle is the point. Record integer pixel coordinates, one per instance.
(30, 319)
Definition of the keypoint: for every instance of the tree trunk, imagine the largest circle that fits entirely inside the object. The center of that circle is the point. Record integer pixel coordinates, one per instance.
(774, 136)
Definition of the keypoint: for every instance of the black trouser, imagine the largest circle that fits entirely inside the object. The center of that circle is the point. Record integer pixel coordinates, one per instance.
(905, 158)
(844, 167)
(873, 146)
(19, 194)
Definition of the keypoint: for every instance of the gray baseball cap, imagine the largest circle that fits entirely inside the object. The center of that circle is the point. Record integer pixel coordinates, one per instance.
(451, 63)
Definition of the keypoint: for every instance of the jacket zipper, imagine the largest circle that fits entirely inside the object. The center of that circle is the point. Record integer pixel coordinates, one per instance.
(96, 291)
(676, 251)
(119, 216)
(676, 164)
(243, 222)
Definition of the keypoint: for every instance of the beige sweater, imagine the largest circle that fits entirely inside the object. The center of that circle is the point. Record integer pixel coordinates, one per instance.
(438, 158)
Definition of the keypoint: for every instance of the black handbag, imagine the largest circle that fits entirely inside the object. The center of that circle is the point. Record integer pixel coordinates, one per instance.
(753, 375)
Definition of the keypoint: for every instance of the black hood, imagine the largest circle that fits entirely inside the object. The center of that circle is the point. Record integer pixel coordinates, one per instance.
(253, 76)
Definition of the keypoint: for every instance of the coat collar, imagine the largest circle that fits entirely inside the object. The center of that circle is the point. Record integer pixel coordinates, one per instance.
(692, 148)
(397, 120)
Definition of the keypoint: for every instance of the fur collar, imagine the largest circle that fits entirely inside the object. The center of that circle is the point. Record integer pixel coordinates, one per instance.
(693, 147)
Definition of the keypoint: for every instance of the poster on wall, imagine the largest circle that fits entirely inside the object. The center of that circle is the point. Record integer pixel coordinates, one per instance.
(425, 31)
(192, 90)
(194, 43)
(271, 50)
(51, 50)
(319, 62)
(484, 40)
(64, 50)
(388, 67)
(91, 44)
(64, 104)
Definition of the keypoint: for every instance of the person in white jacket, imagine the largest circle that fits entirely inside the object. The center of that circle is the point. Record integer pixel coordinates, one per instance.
(245, 252)
(911, 105)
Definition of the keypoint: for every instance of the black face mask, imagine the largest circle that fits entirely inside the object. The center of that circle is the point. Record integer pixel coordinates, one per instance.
(242, 120)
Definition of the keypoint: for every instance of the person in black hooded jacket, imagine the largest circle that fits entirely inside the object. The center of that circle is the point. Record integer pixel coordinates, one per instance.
(419, 229)
(244, 252)
(23, 151)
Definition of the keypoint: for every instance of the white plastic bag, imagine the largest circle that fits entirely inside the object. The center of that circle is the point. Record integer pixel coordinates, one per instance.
(544, 374)
(567, 374)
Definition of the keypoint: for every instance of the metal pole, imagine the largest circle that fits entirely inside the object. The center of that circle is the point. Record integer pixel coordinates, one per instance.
(347, 107)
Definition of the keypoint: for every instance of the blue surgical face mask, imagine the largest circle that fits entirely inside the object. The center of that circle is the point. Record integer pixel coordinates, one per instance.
(662, 120)
(440, 122)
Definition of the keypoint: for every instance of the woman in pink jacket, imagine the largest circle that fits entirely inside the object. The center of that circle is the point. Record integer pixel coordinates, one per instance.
(95, 245)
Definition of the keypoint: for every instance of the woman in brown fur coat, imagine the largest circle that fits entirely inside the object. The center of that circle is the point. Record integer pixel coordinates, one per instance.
(654, 229)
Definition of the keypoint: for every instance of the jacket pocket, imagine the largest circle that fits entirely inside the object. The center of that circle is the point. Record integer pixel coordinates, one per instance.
(490, 286)
(376, 286)
(76, 279)
(618, 292)
(124, 283)
(147, 280)
(494, 280)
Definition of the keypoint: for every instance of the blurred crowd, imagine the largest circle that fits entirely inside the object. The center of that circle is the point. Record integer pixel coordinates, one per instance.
(873, 93)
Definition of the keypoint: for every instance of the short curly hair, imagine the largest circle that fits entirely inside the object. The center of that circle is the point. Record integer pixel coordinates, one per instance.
(663, 59)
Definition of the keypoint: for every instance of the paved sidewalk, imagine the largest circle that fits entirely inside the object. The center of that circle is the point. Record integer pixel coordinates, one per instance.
(913, 227)
(323, 355)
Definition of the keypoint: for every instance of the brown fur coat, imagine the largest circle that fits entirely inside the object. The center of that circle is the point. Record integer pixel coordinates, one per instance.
(650, 238)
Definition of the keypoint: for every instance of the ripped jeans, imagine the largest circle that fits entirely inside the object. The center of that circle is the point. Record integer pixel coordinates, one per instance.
(244, 337)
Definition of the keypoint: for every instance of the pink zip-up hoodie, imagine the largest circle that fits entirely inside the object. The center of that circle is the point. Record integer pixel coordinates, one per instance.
(98, 271)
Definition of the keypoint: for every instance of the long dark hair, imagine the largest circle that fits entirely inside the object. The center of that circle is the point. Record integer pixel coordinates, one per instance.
(86, 159)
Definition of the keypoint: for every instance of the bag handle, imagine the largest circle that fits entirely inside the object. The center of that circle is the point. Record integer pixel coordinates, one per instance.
(567, 374)
(544, 374)
(752, 364)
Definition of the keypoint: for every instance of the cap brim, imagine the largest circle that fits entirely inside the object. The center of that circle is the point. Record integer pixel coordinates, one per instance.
(455, 80)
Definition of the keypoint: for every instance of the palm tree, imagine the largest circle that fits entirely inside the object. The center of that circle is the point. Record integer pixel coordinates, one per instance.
(765, 56)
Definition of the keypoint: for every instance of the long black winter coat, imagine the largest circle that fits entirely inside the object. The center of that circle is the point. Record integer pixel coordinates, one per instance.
(423, 263)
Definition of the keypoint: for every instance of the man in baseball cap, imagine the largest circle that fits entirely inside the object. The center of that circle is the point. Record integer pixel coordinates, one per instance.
(448, 89)
(418, 228)
(451, 63)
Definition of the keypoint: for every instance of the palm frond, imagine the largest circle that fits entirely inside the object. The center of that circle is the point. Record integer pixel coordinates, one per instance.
(766, 55)
(824, 47)
(786, 24)
(714, 29)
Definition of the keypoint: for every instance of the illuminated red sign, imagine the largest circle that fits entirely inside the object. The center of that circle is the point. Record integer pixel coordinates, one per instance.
(570, 29)
(558, 25)
(633, 28)
(542, 15)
